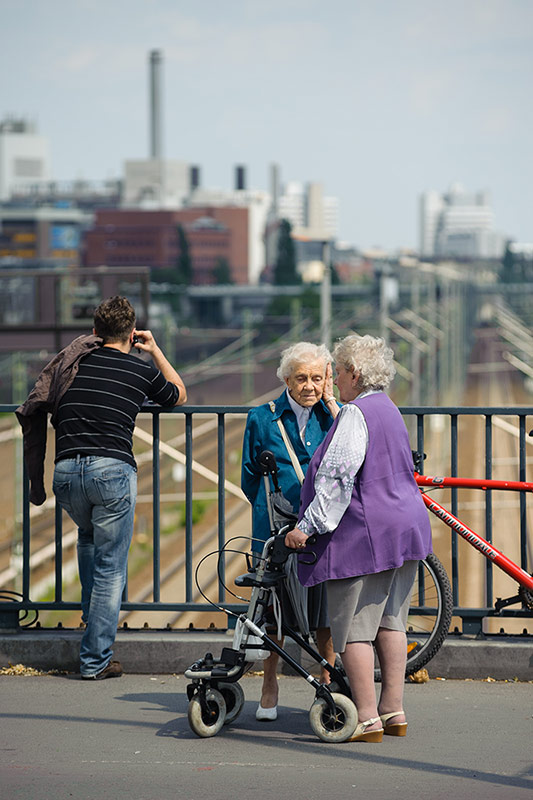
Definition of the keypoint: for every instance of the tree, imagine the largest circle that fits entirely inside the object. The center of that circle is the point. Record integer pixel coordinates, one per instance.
(335, 280)
(222, 271)
(509, 265)
(285, 273)
(184, 262)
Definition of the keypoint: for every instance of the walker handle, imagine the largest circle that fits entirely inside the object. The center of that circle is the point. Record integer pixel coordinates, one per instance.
(268, 465)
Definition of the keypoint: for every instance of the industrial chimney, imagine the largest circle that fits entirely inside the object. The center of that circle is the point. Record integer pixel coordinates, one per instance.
(240, 177)
(274, 187)
(156, 59)
(194, 177)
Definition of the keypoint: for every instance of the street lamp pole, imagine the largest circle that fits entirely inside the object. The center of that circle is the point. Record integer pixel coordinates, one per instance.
(325, 296)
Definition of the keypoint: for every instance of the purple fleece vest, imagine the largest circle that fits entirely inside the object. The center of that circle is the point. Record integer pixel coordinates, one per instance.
(386, 522)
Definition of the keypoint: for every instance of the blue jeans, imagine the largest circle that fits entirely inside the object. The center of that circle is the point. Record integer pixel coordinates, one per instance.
(99, 494)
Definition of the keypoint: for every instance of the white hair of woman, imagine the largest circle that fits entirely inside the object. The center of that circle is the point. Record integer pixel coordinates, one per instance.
(301, 353)
(370, 356)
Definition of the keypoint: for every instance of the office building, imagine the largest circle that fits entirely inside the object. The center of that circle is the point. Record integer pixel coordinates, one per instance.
(314, 221)
(257, 204)
(144, 237)
(24, 156)
(458, 224)
(311, 214)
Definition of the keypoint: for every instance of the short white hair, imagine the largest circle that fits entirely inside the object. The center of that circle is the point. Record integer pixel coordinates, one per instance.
(368, 355)
(301, 353)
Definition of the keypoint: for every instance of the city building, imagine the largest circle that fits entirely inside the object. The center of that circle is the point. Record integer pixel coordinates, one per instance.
(24, 156)
(314, 224)
(79, 193)
(143, 237)
(311, 214)
(458, 224)
(257, 203)
(350, 264)
(41, 236)
(156, 183)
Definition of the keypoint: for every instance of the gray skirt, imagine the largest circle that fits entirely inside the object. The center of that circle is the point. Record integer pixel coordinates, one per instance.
(358, 607)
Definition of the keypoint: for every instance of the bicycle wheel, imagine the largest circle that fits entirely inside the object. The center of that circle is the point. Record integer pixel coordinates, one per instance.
(335, 727)
(430, 615)
(207, 722)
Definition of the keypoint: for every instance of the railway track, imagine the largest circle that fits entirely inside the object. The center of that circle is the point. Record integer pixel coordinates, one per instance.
(493, 382)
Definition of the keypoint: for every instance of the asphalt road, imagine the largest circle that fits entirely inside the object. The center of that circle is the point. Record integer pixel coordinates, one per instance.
(129, 739)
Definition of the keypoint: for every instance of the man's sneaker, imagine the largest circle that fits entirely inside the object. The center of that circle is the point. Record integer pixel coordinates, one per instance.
(113, 670)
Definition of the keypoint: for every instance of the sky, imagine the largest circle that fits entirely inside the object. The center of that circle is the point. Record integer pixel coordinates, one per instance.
(377, 100)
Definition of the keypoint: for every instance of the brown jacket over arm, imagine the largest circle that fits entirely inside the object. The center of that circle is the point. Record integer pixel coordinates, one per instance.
(43, 399)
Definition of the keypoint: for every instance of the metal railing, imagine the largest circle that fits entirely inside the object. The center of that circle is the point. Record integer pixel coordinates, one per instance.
(427, 426)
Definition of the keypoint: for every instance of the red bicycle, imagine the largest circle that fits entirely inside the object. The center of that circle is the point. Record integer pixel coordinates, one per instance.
(432, 602)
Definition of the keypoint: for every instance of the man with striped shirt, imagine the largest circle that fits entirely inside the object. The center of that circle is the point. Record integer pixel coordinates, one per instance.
(95, 475)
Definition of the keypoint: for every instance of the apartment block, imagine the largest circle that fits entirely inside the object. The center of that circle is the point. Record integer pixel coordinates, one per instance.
(458, 224)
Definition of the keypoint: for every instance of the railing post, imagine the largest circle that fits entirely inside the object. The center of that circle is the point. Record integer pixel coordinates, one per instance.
(58, 594)
(188, 507)
(454, 544)
(25, 534)
(221, 505)
(488, 507)
(156, 511)
(522, 477)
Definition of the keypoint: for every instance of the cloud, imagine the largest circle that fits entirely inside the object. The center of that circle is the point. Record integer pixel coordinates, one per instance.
(80, 59)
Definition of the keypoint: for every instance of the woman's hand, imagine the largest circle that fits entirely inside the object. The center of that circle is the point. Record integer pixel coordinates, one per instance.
(327, 393)
(296, 539)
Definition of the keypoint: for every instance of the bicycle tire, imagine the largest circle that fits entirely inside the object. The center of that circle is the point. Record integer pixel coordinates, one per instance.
(427, 631)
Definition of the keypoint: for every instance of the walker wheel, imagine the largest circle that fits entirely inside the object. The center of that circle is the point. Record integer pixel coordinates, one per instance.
(207, 722)
(337, 727)
(234, 698)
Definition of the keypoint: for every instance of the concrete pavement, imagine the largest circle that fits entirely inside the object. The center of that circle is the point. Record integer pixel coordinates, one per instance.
(129, 739)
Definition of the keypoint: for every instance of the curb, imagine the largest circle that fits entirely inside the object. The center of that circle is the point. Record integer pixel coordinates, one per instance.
(169, 651)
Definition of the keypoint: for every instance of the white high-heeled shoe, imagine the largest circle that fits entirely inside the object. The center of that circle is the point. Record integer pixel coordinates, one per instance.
(266, 714)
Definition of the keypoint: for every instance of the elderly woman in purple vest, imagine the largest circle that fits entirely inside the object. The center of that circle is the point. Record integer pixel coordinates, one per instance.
(360, 498)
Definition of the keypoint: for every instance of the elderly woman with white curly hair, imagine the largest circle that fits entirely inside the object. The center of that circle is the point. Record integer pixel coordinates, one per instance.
(360, 497)
(304, 411)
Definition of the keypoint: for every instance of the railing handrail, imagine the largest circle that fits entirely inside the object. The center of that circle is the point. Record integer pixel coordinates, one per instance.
(472, 617)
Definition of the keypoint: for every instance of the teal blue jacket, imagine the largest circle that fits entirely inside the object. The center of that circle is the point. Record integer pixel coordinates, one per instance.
(262, 433)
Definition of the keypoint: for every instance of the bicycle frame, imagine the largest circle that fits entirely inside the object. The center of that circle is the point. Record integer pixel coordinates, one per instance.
(478, 542)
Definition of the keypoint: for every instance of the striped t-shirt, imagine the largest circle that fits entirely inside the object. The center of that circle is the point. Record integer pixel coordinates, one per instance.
(96, 415)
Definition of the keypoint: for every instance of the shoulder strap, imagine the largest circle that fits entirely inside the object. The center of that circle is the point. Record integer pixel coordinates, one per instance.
(288, 444)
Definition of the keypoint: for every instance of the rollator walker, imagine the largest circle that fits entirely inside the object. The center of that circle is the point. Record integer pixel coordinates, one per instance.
(215, 695)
